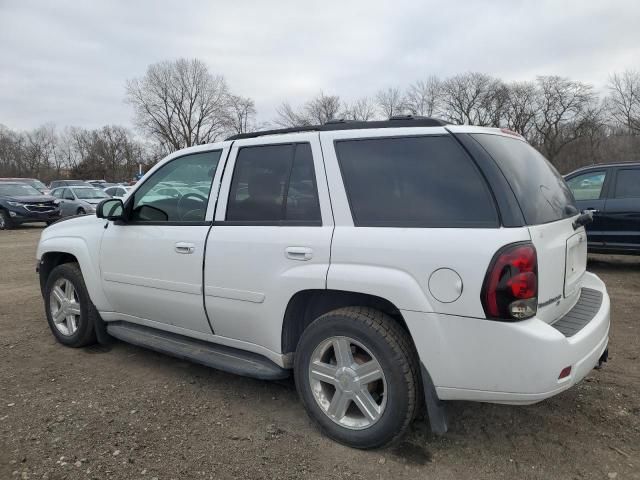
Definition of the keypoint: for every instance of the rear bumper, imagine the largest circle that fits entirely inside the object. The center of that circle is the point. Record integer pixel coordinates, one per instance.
(516, 363)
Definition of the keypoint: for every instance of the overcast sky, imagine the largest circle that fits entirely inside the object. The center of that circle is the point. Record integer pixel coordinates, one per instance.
(67, 61)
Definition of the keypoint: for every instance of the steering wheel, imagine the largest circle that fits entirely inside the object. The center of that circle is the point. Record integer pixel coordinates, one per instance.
(190, 211)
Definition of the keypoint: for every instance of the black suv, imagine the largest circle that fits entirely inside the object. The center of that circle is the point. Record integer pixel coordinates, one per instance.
(612, 191)
(21, 203)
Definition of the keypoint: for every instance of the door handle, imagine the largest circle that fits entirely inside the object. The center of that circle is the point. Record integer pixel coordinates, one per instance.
(299, 253)
(184, 247)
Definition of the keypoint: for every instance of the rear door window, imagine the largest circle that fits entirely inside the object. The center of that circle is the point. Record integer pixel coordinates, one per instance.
(628, 183)
(426, 181)
(540, 190)
(274, 185)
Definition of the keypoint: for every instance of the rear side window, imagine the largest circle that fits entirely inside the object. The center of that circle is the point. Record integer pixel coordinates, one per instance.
(540, 190)
(628, 183)
(274, 184)
(424, 181)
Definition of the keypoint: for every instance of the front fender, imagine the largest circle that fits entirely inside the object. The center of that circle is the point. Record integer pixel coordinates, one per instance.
(87, 256)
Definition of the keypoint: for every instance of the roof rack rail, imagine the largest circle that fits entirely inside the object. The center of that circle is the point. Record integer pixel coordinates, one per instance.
(395, 121)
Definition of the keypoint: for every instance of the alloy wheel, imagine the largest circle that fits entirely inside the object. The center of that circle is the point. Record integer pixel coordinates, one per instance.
(347, 382)
(65, 307)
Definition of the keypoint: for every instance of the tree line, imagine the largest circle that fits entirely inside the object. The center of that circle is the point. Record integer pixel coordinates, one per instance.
(180, 103)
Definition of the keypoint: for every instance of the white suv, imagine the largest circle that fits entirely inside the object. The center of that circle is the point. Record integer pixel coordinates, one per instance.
(388, 264)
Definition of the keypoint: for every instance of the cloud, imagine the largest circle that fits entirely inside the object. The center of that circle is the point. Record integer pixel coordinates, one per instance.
(67, 61)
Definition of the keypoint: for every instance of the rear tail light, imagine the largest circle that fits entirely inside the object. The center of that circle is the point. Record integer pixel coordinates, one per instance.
(510, 290)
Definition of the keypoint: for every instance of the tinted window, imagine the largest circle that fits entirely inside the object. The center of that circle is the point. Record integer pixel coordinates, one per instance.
(541, 191)
(57, 192)
(173, 192)
(628, 183)
(414, 182)
(274, 183)
(587, 186)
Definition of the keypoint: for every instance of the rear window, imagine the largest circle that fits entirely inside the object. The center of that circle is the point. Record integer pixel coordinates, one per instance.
(540, 190)
(424, 181)
(628, 183)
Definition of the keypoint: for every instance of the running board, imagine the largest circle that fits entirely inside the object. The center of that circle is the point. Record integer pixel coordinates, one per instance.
(212, 355)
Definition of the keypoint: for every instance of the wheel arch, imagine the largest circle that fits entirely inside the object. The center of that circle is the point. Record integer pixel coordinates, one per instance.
(307, 305)
(58, 250)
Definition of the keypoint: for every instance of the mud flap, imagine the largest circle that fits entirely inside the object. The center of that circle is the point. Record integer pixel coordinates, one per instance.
(435, 407)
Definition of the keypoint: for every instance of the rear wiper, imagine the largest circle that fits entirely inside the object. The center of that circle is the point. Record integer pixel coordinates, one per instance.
(584, 219)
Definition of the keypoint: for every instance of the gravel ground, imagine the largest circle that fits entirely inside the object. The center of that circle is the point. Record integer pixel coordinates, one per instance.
(124, 412)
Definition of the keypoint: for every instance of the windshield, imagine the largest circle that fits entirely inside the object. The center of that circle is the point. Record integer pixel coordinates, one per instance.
(38, 185)
(89, 193)
(540, 190)
(14, 190)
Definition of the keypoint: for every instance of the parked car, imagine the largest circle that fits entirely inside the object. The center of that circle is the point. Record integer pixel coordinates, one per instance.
(381, 262)
(612, 193)
(117, 191)
(35, 183)
(78, 200)
(21, 203)
(68, 183)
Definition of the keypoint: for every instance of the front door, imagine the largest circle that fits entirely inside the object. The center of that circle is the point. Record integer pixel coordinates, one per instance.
(151, 264)
(271, 237)
(589, 190)
(622, 211)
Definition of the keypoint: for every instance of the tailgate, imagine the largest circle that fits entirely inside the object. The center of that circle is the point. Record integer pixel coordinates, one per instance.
(562, 261)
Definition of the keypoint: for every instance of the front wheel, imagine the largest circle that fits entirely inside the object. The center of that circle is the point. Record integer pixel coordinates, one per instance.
(70, 313)
(356, 372)
(5, 221)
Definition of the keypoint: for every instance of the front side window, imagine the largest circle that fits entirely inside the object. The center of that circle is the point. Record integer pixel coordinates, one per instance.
(57, 193)
(587, 186)
(628, 183)
(172, 193)
(68, 194)
(425, 181)
(274, 184)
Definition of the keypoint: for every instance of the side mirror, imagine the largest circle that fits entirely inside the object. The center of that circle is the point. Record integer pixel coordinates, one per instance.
(111, 209)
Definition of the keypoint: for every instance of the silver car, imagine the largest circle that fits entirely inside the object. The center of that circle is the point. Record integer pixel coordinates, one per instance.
(78, 200)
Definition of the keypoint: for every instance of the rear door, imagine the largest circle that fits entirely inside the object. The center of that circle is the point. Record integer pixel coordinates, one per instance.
(621, 216)
(549, 211)
(589, 190)
(271, 237)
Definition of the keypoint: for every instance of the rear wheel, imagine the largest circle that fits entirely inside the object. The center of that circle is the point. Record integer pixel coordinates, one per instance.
(70, 313)
(5, 221)
(356, 372)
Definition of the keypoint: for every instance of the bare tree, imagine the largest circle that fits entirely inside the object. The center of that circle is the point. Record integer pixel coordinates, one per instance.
(316, 111)
(423, 97)
(520, 109)
(241, 113)
(179, 103)
(474, 99)
(361, 110)
(390, 102)
(562, 107)
(624, 99)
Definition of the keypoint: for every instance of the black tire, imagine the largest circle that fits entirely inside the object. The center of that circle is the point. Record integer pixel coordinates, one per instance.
(81, 211)
(392, 348)
(5, 221)
(85, 333)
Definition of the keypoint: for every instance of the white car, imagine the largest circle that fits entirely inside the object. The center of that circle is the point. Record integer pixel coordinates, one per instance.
(382, 262)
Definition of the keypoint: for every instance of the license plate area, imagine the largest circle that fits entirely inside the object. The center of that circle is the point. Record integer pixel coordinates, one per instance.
(576, 263)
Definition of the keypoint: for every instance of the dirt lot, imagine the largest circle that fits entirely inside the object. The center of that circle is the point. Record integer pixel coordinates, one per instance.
(124, 412)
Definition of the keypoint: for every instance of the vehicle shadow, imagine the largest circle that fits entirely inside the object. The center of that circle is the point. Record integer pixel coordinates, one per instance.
(613, 263)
